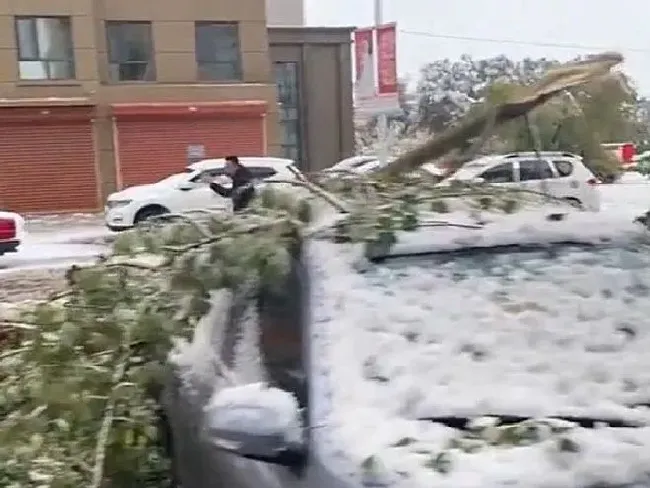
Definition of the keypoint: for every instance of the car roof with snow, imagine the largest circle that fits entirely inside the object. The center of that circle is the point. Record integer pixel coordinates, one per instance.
(418, 347)
(352, 162)
(277, 163)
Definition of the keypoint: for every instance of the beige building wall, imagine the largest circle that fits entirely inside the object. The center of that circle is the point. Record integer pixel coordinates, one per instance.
(285, 13)
(173, 41)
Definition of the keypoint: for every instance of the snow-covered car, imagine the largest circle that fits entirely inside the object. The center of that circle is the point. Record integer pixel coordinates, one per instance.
(368, 164)
(559, 174)
(511, 355)
(355, 164)
(12, 228)
(187, 191)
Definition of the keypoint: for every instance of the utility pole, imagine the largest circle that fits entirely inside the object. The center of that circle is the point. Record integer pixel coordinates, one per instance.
(382, 119)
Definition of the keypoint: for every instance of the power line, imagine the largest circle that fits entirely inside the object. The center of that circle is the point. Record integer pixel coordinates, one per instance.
(581, 47)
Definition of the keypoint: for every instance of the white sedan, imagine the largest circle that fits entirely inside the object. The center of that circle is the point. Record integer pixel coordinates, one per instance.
(187, 191)
(12, 228)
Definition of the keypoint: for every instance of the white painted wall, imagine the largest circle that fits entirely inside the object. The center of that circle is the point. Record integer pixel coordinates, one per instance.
(285, 13)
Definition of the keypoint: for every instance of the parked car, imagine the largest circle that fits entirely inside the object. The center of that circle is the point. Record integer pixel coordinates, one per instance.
(186, 191)
(559, 174)
(11, 231)
(355, 164)
(388, 363)
(368, 164)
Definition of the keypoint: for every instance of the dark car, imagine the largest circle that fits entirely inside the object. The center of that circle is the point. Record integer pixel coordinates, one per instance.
(551, 330)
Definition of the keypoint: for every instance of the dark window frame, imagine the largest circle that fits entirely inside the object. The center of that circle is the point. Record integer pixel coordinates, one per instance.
(234, 64)
(68, 58)
(538, 164)
(113, 59)
(497, 167)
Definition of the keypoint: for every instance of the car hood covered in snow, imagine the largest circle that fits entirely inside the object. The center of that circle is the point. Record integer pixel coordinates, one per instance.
(404, 345)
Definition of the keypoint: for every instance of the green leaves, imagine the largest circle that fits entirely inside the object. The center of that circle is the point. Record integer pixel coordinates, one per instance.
(78, 390)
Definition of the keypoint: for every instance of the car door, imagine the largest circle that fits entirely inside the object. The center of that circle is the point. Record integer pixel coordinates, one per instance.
(502, 174)
(199, 196)
(536, 175)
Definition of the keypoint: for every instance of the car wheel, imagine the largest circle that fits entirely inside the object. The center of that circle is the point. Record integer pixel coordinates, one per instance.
(147, 213)
(574, 202)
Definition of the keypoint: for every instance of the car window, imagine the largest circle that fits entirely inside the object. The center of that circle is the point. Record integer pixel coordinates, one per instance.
(502, 173)
(208, 175)
(534, 169)
(564, 168)
(262, 172)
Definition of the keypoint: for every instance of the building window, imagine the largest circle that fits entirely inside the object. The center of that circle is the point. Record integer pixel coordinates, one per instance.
(217, 51)
(287, 79)
(45, 50)
(130, 51)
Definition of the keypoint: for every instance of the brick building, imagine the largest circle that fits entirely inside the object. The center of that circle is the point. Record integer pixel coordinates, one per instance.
(101, 94)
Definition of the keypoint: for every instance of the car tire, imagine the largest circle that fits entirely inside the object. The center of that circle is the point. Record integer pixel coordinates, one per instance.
(574, 202)
(146, 213)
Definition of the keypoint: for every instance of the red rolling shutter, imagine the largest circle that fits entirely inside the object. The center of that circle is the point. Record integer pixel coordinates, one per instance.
(152, 139)
(47, 159)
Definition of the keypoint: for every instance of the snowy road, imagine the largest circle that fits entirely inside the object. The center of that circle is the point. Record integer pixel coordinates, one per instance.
(61, 243)
(56, 249)
(628, 198)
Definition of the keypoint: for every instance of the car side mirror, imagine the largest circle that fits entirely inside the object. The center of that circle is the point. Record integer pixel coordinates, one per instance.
(257, 422)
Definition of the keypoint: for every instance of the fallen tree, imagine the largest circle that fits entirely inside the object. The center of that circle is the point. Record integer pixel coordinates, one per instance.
(482, 124)
(81, 374)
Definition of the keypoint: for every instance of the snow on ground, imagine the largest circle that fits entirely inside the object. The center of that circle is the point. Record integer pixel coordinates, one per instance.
(55, 241)
(627, 198)
(533, 335)
(31, 284)
(50, 251)
(57, 222)
(51, 245)
(38, 268)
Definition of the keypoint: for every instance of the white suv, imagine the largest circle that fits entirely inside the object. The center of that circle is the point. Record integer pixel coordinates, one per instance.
(187, 191)
(559, 174)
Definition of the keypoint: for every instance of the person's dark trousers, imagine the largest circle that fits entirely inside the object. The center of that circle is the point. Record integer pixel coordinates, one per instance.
(243, 198)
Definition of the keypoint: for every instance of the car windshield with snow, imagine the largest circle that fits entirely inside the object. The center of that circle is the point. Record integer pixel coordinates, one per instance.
(479, 360)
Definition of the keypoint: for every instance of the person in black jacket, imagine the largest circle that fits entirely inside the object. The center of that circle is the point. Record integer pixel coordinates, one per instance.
(242, 191)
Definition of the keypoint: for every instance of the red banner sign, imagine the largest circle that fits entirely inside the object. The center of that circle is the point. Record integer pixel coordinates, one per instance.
(363, 51)
(387, 59)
